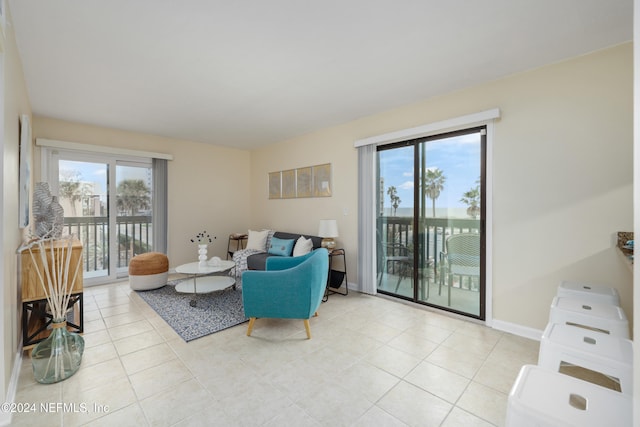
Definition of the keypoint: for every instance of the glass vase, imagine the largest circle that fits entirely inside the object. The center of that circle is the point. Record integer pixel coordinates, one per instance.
(58, 356)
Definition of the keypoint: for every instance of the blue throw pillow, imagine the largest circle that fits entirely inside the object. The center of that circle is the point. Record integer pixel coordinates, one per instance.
(282, 247)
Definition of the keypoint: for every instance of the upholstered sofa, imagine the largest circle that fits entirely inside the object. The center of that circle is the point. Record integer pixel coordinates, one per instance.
(276, 243)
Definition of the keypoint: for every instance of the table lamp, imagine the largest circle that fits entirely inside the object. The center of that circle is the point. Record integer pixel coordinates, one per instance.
(328, 230)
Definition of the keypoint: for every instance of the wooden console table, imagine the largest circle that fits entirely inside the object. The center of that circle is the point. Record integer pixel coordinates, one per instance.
(36, 318)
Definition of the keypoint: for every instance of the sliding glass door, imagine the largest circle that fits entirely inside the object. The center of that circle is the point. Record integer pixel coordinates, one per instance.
(395, 221)
(133, 219)
(83, 192)
(107, 204)
(430, 225)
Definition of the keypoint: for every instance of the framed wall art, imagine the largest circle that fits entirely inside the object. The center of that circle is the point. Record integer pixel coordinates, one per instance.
(304, 185)
(24, 180)
(309, 181)
(289, 184)
(275, 187)
(322, 180)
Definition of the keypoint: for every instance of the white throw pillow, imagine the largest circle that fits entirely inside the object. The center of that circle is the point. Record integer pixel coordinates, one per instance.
(257, 240)
(303, 246)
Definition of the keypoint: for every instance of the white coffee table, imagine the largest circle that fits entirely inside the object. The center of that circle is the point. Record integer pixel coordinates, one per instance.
(204, 285)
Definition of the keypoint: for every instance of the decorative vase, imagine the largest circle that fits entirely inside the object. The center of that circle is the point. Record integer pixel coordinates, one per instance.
(58, 356)
(202, 255)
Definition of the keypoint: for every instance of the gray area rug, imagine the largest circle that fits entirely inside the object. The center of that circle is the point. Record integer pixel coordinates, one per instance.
(213, 312)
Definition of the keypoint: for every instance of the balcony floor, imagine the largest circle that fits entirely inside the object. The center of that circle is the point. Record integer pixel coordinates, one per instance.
(463, 300)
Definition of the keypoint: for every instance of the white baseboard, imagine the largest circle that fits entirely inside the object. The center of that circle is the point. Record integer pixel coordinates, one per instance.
(515, 329)
(501, 325)
(356, 288)
(5, 417)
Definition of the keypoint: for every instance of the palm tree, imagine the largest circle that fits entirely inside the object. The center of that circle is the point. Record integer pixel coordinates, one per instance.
(72, 189)
(433, 184)
(472, 199)
(133, 195)
(395, 200)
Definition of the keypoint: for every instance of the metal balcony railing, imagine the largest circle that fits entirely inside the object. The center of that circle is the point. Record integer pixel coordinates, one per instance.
(396, 234)
(134, 237)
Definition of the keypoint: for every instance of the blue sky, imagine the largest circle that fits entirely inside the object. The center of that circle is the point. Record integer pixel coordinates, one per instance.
(458, 157)
(97, 172)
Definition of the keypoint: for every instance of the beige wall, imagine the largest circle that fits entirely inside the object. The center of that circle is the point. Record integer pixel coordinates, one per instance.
(208, 185)
(562, 168)
(563, 182)
(16, 103)
(303, 215)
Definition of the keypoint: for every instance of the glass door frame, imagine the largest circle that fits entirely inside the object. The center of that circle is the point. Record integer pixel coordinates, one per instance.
(485, 178)
(419, 202)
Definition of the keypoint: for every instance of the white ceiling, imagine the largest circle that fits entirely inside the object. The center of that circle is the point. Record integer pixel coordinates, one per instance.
(247, 73)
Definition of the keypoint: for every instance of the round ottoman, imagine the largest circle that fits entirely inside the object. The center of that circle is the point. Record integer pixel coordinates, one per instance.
(148, 271)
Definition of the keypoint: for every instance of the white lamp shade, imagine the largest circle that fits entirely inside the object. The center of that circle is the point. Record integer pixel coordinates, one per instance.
(328, 228)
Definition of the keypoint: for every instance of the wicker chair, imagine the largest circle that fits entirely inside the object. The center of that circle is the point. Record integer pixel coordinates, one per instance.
(462, 258)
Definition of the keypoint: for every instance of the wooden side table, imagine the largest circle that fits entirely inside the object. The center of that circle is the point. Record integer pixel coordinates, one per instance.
(36, 319)
(35, 316)
(240, 242)
(336, 278)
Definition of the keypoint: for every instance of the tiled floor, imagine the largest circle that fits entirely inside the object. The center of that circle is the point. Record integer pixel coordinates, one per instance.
(371, 361)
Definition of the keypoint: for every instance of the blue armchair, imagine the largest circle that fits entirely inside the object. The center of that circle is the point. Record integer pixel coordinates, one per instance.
(289, 288)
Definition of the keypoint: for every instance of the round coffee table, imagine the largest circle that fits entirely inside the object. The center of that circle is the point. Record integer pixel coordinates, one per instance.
(204, 285)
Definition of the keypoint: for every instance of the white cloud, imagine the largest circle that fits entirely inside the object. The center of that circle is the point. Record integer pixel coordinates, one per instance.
(407, 185)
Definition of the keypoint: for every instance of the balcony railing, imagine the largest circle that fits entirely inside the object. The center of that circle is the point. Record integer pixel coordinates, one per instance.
(395, 235)
(134, 237)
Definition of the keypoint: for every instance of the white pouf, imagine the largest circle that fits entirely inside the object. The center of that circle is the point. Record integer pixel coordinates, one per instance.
(588, 292)
(542, 398)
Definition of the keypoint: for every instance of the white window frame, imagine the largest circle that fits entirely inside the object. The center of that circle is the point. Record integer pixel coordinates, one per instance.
(50, 157)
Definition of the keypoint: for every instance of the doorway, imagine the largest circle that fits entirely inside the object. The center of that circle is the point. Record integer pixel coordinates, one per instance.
(431, 221)
(107, 204)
